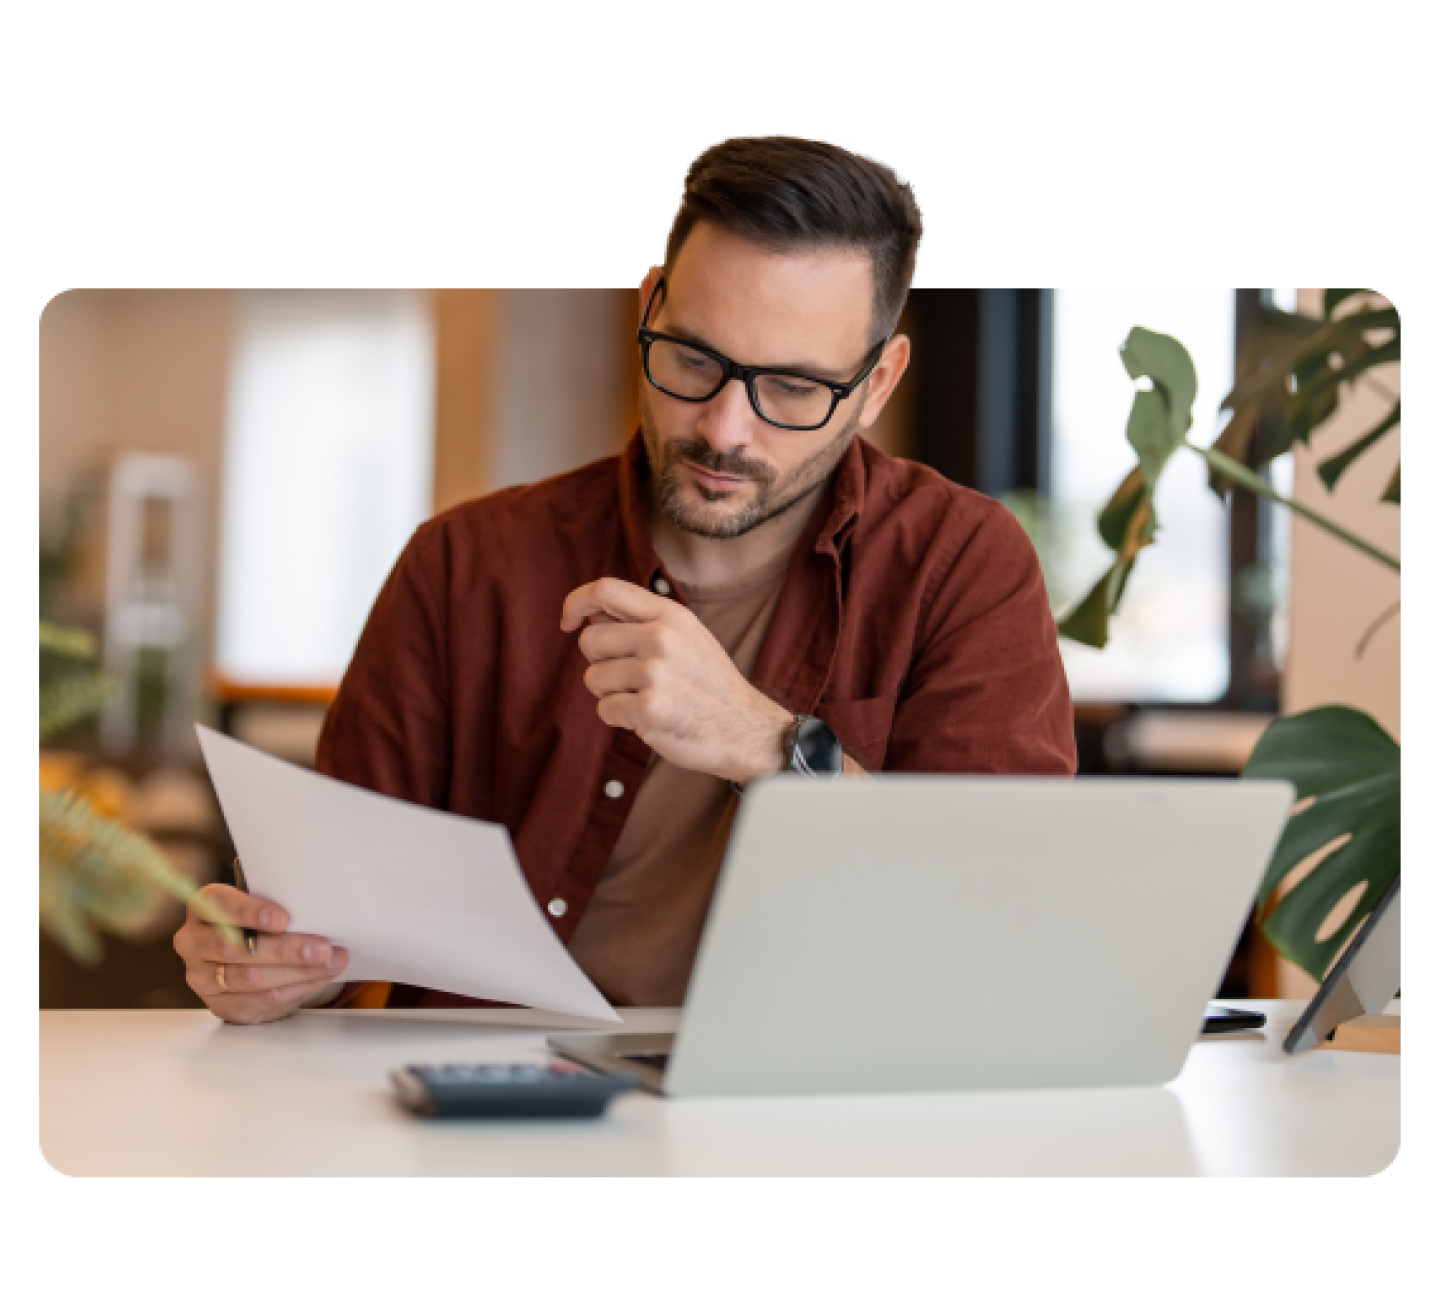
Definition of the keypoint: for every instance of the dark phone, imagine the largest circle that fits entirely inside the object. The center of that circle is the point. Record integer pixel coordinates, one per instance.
(1223, 1019)
(554, 1091)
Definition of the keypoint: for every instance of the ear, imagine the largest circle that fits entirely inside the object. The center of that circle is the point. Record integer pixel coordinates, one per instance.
(647, 290)
(884, 378)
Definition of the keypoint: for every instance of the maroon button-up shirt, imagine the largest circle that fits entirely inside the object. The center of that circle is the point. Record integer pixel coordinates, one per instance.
(913, 620)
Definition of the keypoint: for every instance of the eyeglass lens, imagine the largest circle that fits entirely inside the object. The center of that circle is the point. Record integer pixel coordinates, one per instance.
(781, 399)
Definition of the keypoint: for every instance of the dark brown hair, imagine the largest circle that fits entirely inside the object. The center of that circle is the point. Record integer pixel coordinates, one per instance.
(789, 195)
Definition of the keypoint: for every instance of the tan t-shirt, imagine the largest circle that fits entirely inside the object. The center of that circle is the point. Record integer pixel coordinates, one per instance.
(638, 937)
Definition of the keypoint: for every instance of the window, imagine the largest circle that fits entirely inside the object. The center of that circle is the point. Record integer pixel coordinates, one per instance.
(1277, 523)
(327, 472)
(1170, 640)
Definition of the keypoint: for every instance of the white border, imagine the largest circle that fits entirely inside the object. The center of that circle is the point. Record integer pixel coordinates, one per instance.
(308, 144)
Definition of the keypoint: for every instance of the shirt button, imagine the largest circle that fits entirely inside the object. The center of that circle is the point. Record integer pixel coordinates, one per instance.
(614, 789)
(662, 586)
(557, 907)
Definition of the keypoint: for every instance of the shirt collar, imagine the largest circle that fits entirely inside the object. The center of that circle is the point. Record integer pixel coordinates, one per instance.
(847, 500)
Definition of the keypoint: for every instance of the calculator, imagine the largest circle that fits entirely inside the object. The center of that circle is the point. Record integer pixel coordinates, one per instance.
(531, 1091)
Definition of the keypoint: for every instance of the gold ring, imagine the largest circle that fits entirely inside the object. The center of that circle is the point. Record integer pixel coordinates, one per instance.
(220, 977)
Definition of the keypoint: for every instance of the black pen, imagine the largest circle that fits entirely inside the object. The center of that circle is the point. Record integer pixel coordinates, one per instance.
(240, 886)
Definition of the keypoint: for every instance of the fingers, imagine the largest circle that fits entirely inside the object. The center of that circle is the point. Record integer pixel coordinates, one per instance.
(286, 970)
(621, 676)
(253, 1007)
(617, 599)
(624, 711)
(241, 978)
(275, 983)
(604, 640)
(207, 942)
(245, 910)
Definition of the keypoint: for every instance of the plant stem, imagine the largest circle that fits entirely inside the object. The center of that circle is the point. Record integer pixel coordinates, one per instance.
(1247, 479)
(1374, 626)
(1378, 389)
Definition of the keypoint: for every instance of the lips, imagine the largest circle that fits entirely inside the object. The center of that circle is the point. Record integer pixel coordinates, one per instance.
(715, 483)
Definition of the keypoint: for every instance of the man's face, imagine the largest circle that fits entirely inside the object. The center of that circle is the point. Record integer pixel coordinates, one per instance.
(720, 470)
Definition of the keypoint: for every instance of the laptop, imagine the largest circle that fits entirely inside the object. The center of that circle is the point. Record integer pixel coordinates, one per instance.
(927, 933)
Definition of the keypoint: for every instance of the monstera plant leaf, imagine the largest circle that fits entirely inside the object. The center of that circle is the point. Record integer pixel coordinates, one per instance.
(1345, 768)
(1332, 468)
(1160, 418)
(1348, 769)
(1392, 490)
(1291, 370)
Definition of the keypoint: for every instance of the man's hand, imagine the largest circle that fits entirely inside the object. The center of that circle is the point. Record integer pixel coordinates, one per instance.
(287, 971)
(658, 672)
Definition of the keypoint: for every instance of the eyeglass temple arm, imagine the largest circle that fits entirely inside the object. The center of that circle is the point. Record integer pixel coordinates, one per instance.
(649, 305)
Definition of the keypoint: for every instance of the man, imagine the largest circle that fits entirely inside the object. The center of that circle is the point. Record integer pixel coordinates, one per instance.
(604, 660)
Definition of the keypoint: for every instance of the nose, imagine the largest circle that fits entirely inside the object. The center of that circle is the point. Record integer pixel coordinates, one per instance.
(727, 420)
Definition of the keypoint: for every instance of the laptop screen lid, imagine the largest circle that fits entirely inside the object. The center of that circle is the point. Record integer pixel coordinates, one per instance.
(913, 933)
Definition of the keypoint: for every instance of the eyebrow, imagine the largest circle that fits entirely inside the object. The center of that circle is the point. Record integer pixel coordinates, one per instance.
(798, 367)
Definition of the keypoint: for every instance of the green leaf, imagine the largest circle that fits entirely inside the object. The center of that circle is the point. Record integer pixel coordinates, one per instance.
(95, 873)
(1345, 810)
(1273, 332)
(1315, 400)
(1334, 296)
(1114, 522)
(1159, 421)
(1118, 578)
(1323, 749)
(1247, 479)
(1392, 490)
(1269, 378)
(65, 641)
(1337, 355)
(71, 699)
(1349, 767)
(1266, 376)
(1266, 382)
(1344, 334)
(1089, 621)
(1332, 468)
(1370, 858)
(1148, 430)
(1234, 442)
(1160, 418)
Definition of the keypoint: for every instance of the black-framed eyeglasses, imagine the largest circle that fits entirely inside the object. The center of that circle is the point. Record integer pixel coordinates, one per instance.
(786, 399)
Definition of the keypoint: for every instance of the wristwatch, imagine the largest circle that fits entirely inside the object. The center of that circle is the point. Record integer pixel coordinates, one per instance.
(811, 749)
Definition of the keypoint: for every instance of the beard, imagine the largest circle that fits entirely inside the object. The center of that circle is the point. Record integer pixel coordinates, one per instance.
(720, 514)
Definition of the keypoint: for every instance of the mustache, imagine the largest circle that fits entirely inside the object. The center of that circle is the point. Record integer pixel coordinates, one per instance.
(699, 453)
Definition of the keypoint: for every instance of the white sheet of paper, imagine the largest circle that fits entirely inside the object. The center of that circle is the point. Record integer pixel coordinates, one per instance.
(413, 894)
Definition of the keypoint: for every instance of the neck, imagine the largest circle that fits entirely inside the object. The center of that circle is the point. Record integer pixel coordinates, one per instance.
(717, 563)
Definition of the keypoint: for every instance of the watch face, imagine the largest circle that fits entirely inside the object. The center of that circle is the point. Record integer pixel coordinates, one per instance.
(819, 749)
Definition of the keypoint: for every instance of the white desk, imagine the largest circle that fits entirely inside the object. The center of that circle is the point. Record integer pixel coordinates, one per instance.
(175, 1092)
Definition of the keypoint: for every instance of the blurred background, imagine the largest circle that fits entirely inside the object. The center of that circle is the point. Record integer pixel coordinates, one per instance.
(226, 478)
